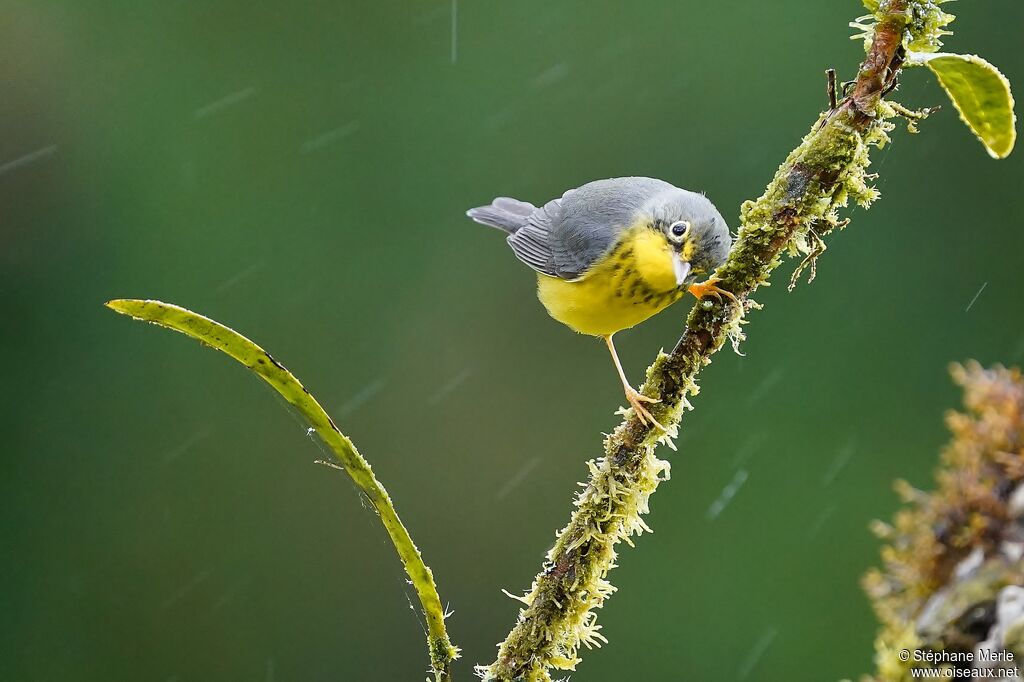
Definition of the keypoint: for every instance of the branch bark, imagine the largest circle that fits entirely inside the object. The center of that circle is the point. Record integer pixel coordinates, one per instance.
(799, 205)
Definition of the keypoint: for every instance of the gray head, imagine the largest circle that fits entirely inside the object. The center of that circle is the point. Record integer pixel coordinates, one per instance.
(693, 228)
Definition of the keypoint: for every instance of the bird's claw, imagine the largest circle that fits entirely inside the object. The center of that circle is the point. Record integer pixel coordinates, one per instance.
(711, 288)
(636, 401)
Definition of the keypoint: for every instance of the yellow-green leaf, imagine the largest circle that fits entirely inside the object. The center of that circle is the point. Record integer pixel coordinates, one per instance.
(227, 340)
(980, 93)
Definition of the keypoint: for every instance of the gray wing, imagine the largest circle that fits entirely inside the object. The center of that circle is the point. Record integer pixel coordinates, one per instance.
(531, 243)
(567, 236)
(594, 218)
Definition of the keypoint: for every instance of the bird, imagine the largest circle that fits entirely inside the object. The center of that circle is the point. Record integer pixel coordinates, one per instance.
(612, 253)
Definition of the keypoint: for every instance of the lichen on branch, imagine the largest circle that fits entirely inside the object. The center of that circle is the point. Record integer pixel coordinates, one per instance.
(952, 563)
(799, 207)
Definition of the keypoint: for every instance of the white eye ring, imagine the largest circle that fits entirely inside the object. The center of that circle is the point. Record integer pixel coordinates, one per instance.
(678, 230)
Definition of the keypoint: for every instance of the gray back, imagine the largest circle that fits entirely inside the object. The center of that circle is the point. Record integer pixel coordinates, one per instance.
(565, 237)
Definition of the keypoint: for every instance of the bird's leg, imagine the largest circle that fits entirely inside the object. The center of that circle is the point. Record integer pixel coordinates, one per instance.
(636, 398)
(711, 288)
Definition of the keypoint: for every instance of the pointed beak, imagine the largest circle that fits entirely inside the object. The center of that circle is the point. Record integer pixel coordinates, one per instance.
(681, 268)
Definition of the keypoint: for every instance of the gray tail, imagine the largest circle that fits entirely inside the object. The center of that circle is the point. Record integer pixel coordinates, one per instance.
(504, 213)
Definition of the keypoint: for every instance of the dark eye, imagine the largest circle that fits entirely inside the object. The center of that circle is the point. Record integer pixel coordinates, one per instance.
(680, 228)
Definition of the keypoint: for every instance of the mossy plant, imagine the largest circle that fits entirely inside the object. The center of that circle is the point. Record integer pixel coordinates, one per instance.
(949, 554)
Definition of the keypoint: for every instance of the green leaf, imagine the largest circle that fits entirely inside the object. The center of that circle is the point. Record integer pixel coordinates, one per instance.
(227, 340)
(980, 93)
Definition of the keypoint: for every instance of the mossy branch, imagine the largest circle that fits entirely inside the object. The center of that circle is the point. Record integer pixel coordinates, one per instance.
(227, 340)
(797, 209)
(953, 563)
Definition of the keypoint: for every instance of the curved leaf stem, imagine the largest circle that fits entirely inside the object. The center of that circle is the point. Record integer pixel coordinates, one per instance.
(227, 340)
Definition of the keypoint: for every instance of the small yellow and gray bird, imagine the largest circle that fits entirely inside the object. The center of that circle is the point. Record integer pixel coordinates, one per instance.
(612, 253)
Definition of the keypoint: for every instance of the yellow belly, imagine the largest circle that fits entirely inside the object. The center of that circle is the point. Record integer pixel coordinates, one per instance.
(629, 285)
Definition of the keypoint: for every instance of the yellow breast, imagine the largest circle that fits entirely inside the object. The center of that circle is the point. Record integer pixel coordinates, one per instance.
(632, 283)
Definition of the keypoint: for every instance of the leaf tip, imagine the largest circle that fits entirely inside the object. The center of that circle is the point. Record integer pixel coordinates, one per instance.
(120, 305)
(1005, 149)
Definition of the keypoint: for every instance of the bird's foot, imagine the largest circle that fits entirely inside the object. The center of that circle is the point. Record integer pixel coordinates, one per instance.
(636, 401)
(711, 288)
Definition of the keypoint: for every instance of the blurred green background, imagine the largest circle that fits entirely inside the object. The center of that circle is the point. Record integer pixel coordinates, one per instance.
(299, 171)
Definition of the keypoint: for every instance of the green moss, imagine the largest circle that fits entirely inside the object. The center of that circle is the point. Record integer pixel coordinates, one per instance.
(819, 178)
(926, 26)
(559, 615)
(952, 550)
(924, 22)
